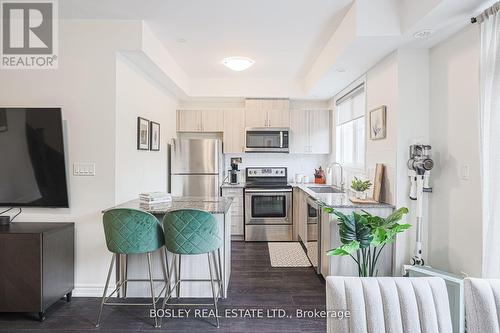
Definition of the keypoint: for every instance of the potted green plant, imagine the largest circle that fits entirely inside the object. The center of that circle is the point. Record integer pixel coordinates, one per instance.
(360, 187)
(364, 236)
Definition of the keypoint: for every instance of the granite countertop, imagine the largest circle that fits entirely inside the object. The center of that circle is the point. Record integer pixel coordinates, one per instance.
(336, 200)
(213, 205)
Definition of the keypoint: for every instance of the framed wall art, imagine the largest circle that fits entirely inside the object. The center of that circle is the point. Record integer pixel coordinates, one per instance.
(154, 136)
(142, 134)
(378, 126)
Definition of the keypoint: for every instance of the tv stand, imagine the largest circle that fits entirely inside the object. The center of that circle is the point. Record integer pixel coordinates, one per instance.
(36, 266)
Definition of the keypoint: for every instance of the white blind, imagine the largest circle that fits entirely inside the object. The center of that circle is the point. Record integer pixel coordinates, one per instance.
(351, 108)
(350, 128)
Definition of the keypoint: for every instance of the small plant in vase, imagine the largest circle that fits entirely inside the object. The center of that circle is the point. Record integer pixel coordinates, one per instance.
(360, 187)
(364, 236)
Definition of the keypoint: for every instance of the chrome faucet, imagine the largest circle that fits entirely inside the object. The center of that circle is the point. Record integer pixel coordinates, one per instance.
(341, 173)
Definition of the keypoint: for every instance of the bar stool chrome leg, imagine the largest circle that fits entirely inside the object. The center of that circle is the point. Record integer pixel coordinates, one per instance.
(178, 286)
(164, 265)
(221, 284)
(213, 290)
(152, 288)
(105, 290)
(217, 275)
(125, 283)
(169, 289)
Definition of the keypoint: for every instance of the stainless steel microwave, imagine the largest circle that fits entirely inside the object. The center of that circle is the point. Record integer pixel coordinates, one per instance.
(267, 140)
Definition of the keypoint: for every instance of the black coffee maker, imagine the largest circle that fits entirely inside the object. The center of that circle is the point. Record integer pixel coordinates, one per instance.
(234, 173)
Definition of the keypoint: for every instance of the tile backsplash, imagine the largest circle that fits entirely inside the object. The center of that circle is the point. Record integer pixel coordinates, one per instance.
(296, 163)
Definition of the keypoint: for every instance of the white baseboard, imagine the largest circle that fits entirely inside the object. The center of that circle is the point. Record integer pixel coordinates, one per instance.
(90, 290)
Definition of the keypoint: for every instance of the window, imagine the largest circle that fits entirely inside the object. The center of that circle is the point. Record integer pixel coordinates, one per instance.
(350, 131)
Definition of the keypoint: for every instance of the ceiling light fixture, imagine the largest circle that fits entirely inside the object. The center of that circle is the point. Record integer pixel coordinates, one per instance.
(423, 34)
(238, 64)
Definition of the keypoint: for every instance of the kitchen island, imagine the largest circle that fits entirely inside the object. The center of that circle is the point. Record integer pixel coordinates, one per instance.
(193, 266)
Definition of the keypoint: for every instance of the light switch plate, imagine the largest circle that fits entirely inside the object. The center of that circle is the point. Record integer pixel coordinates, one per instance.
(465, 172)
(83, 169)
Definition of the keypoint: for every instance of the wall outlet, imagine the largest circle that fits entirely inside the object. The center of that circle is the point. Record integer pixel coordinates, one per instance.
(83, 169)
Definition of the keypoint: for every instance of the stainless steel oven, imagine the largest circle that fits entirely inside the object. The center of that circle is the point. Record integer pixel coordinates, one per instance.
(268, 205)
(267, 140)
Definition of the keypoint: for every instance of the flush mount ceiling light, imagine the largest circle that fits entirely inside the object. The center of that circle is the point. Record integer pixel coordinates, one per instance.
(238, 64)
(423, 34)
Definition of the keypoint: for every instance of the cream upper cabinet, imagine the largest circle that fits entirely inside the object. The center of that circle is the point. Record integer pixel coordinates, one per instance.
(212, 120)
(200, 120)
(255, 118)
(310, 131)
(278, 118)
(267, 113)
(188, 121)
(234, 131)
(299, 127)
(319, 132)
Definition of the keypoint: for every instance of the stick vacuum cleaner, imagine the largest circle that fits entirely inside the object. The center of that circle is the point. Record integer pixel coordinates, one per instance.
(420, 164)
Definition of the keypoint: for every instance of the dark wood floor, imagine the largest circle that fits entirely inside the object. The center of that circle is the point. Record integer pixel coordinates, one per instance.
(254, 284)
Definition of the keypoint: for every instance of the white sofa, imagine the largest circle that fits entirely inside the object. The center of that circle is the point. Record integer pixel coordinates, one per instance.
(387, 304)
(482, 305)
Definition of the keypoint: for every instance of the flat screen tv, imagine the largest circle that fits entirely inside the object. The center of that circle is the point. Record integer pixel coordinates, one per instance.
(32, 166)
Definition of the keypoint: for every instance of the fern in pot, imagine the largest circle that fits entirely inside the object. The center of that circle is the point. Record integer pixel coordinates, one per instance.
(364, 236)
(360, 187)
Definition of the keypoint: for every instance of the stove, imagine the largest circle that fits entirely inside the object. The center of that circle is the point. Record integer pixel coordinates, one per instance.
(267, 178)
(268, 204)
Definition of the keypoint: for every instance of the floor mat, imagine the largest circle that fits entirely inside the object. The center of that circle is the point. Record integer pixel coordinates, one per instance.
(287, 254)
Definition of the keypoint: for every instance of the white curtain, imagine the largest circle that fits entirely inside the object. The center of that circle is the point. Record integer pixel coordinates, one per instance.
(490, 139)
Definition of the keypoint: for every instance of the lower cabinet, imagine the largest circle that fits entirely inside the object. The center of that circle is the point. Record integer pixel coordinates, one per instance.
(37, 265)
(301, 206)
(236, 210)
(344, 265)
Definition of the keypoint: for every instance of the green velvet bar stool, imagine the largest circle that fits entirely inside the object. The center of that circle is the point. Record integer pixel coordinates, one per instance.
(132, 231)
(193, 232)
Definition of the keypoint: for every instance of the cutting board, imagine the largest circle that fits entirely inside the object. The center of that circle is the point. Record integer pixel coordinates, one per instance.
(377, 187)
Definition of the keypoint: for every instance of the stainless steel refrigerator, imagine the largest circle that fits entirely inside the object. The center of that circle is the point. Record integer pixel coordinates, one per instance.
(196, 167)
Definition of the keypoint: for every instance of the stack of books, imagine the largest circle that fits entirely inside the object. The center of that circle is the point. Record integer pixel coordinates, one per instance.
(154, 198)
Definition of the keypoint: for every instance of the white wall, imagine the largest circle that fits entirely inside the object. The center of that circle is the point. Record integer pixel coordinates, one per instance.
(400, 81)
(382, 89)
(455, 209)
(138, 95)
(412, 127)
(84, 86)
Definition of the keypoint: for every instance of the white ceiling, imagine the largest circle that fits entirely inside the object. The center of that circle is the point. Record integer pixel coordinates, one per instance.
(282, 36)
(298, 45)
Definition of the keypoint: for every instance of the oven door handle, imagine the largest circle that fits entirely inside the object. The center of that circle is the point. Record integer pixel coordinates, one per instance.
(268, 190)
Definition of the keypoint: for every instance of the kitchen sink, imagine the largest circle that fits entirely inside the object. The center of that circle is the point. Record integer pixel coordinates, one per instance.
(325, 189)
